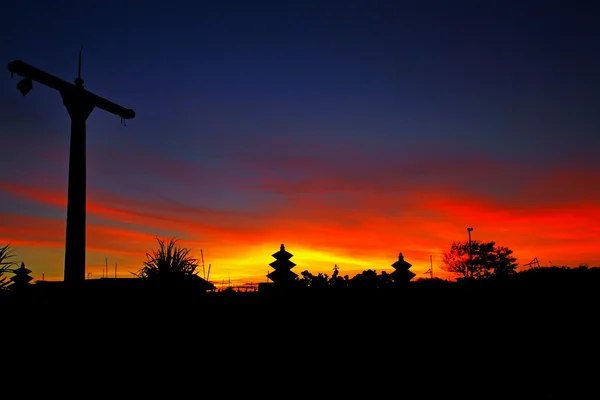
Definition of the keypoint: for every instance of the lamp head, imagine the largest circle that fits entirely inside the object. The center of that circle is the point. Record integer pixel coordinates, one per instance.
(25, 85)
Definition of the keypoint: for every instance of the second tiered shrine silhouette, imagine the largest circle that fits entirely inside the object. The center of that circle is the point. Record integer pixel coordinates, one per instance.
(282, 274)
(401, 272)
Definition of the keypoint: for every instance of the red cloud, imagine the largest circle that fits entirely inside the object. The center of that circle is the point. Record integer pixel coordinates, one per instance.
(364, 213)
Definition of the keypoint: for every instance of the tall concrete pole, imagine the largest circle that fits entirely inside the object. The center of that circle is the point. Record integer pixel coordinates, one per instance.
(79, 104)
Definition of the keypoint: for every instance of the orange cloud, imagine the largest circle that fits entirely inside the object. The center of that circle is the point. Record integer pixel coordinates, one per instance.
(356, 219)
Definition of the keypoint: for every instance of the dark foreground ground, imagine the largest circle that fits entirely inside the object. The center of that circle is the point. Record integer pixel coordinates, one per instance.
(506, 342)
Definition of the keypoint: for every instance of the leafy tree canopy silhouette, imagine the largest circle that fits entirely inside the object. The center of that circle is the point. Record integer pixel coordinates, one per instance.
(486, 259)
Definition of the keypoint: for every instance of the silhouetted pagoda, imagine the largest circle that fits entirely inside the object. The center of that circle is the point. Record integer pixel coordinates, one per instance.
(402, 273)
(21, 277)
(282, 265)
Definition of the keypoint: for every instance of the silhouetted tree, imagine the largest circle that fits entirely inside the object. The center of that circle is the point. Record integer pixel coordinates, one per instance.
(169, 264)
(561, 275)
(497, 260)
(336, 271)
(305, 277)
(315, 281)
(6, 253)
(486, 259)
(386, 279)
(366, 280)
(336, 280)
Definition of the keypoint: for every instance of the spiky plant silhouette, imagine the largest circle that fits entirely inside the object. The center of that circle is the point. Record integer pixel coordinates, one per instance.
(6, 253)
(170, 263)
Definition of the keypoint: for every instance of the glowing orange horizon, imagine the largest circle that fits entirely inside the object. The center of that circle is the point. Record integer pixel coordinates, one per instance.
(238, 246)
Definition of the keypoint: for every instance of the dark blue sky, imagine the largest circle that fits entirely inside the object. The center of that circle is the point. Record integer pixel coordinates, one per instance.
(476, 71)
(240, 103)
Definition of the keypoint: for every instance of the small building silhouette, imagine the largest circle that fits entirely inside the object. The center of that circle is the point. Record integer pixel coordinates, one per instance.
(282, 266)
(401, 272)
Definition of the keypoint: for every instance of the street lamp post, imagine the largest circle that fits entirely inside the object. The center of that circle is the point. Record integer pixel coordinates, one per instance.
(79, 103)
(470, 267)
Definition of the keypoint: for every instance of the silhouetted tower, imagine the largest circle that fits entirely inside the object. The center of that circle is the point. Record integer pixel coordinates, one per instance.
(21, 277)
(79, 104)
(402, 273)
(282, 266)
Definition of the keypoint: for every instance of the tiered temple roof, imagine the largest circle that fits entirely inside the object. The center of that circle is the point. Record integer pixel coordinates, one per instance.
(282, 267)
(21, 277)
(402, 273)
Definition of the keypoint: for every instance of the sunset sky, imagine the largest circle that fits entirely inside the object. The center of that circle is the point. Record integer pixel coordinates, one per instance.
(349, 131)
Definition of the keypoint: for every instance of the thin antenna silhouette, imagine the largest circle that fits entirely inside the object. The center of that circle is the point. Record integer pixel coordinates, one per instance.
(203, 272)
(534, 263)
(208, 272)
(431, 266)
(79, 64)
(430, 270)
